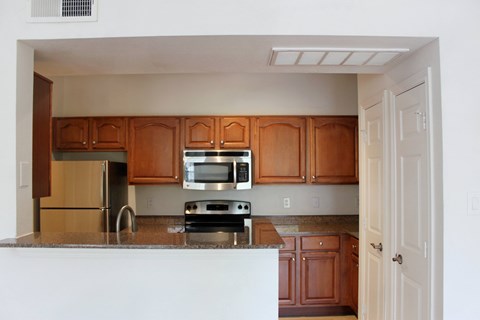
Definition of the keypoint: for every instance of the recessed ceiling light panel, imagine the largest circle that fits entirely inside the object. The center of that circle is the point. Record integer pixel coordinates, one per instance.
(286, 58)
(358, 58)
(311, 58)
(334, 56)
(382, 58)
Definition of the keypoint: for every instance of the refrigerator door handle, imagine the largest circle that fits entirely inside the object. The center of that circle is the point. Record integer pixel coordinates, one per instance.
(104, 196)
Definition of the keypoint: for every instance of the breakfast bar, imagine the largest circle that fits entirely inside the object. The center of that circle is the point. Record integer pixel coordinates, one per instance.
(165, 274)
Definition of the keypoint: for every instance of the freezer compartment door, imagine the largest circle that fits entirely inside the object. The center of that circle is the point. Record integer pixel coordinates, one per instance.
(77, 184)
(85, 220)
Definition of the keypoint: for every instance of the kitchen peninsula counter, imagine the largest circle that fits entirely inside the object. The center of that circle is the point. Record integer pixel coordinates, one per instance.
(165, 233)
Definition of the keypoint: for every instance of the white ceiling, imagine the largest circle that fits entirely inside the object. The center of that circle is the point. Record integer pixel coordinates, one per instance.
(200, 54)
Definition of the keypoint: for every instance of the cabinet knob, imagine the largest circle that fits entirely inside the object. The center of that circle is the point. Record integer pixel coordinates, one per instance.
(303, 259)
(222, 142)
(176, 177)
(94, 142)
(293, 259)
(212, 142)
(303, 177)
(321, 243)
(313, 177)
(353, 246)
(84, 142)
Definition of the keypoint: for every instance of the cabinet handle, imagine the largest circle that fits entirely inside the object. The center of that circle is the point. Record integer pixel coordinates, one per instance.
(94, 142)
(212, 142)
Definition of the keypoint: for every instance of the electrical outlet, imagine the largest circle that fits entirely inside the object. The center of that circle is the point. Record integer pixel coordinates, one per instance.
(315, 202)
(286, 203)
(149, 202)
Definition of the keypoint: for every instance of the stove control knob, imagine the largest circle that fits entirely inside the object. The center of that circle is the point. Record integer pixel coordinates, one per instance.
(194, 207)
(240, 207)
(246, 207)
(188, 208)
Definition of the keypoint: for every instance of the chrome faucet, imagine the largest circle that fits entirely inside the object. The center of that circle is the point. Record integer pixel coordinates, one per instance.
(132, 217)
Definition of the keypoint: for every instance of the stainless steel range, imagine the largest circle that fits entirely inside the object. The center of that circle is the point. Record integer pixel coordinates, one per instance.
(216, 215)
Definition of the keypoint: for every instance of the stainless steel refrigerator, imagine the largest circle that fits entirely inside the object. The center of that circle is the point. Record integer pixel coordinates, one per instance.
(86, 196)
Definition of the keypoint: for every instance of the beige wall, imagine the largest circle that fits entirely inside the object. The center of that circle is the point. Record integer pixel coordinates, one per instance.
(196, 94)
(182, 94)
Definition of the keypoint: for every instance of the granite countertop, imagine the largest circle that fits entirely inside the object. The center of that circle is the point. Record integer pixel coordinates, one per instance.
(169, 235)
(167, 232)
(305, 225)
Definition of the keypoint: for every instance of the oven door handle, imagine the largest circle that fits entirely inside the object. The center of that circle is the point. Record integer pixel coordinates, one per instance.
(234, 174)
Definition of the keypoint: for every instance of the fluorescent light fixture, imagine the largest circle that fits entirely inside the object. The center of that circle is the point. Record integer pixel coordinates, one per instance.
(358, 58)
(286, 58)
(311, 58)
(382, 58)
(334, 56)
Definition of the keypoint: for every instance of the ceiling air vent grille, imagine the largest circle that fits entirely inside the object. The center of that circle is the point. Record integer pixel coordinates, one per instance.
(61, 10)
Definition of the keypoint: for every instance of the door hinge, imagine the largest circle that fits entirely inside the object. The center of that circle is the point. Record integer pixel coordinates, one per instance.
(363, 134)
(423, 116)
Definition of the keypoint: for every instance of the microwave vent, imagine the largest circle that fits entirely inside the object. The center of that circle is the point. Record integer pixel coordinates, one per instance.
(61, 10)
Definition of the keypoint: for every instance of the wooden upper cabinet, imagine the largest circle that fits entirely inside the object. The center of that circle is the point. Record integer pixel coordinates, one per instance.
(217, 132)
(108, 133)
(334, 150)
(280, 149)
(42, 136)
(90, 134)
(154, 150)
(200, 132)
(234, 132)
(71, 134)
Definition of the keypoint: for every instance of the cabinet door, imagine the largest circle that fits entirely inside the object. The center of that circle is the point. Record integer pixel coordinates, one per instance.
(71, 134)
(286, 278)
(320, 278)
(280, 149)
(334, 150)
(153, 151)
(354, 282)
(42, 136)
(109, 133)
(234, 133)
(200, 132)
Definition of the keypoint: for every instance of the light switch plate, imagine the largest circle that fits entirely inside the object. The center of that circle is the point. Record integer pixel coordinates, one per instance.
(474, 203)
(25, 174)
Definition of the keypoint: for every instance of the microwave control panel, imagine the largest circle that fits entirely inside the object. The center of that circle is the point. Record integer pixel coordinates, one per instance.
(242, 172)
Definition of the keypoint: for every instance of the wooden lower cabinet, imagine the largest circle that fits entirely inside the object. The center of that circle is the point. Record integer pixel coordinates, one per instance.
(353, 270)
(313, 276)
(287, 273)
(320, 278)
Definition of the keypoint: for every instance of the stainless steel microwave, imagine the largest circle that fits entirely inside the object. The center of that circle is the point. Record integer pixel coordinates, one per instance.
(217, 169)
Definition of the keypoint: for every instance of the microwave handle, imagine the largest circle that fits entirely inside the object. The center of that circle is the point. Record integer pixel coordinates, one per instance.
(234, 174)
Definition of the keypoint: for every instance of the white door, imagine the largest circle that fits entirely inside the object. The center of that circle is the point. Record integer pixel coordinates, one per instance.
(411, 294)
(372, 304)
